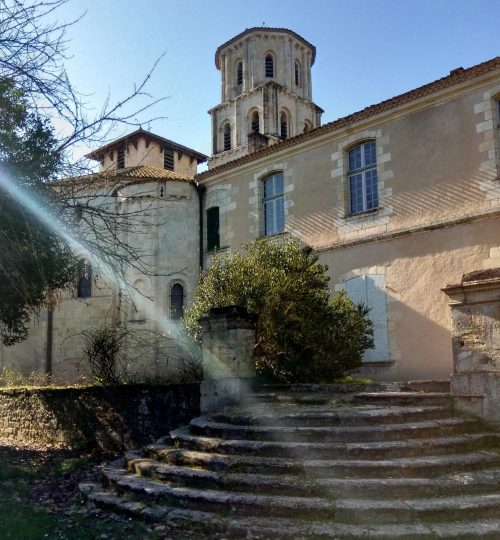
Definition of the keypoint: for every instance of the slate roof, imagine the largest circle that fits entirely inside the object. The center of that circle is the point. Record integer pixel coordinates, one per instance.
(456, 77)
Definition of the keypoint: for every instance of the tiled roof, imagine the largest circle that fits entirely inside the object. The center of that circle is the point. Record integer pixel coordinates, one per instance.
(264, 29)
(456, 76)
(139, 172)
(138, 133)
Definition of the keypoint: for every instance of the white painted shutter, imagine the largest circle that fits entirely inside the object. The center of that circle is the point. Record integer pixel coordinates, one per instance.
(370, 290)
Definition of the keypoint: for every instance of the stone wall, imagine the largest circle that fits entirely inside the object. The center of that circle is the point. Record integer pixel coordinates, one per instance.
(108, 418)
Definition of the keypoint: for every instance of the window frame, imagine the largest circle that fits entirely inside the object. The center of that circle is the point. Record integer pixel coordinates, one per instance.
(269, 66)
(84, 283)
(368, 174)
(172, 312)
(213, 239)
(226, 137)
(273, 203)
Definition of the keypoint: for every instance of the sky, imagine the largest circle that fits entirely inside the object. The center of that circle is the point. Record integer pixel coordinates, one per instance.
(367, 50)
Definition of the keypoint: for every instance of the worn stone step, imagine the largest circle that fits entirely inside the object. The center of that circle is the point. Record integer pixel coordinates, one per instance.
(183, 438)
(403, 398)
(404, 487)
(214, 525)
(438, 464)
(218, 500)
(427, 429)
(426, 386)
(454, 509)
(334, 417)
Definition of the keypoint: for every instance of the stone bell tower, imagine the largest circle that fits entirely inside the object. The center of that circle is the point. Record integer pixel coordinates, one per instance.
(266, 92)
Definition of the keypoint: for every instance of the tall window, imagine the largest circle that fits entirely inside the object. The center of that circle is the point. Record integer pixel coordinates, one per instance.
(297, 74)
(168, 159)
(84, 279)
(213, 237)
(269, 66)
(227, 137)
(255, 122)
(176, 301)
(239, 73)
(363, 189)
(283, 125)
(120, 159)
(274, 205)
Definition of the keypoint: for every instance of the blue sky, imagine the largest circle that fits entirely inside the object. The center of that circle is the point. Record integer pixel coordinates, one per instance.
(367, 51)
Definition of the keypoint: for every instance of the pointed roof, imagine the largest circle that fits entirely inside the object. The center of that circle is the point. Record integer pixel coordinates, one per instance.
(133, 137)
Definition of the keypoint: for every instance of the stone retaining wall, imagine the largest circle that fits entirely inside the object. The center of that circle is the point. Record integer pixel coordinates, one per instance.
(109, 418)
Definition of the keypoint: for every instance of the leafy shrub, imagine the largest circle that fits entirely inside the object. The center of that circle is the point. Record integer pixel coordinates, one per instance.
(300, 335)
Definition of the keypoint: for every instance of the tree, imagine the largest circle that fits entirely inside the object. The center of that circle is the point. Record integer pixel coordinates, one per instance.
(35, 258)
(300, 334)
(33, 261)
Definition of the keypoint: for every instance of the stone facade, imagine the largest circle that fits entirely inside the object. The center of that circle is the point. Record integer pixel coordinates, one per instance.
(113, 419)
(398, 199)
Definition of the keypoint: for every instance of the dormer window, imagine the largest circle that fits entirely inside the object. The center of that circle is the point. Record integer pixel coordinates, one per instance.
(168, 159)
(120, 159)
(239, 73)
(269, 66)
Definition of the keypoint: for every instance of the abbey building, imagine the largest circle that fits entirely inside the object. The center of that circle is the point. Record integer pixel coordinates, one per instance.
(399, 199)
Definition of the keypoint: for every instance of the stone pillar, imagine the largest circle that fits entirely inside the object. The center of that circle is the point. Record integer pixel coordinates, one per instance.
(228, 339)
(475, 310)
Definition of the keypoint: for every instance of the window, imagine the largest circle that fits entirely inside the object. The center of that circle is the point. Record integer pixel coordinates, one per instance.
(239, 73)
(283, 125)
(274, 205)
(269, 66)
(370, 290)
(213, 238)
(255, 122)
(362, 174)
(176, 301)
(227, 137)
(297, 74)
(84, 279)
(498, 122)
(120, 159)
(168, 159)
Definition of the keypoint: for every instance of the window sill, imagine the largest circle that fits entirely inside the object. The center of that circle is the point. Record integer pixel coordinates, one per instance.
(365, 213)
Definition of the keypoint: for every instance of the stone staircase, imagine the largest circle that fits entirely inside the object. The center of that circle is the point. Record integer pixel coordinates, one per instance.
(319, 462)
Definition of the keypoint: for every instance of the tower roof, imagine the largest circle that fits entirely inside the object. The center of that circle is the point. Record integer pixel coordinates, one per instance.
(142, 133)
(264, 29)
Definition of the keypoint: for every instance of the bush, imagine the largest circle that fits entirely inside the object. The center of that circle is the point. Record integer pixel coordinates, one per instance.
(300, 336)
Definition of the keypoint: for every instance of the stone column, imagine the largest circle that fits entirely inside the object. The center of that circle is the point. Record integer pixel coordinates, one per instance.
(475, 311)
(228, 339)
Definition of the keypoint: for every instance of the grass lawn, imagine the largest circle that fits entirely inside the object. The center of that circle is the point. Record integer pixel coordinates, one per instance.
(39, 499)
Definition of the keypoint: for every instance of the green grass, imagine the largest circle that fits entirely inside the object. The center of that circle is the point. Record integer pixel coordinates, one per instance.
(355, 380)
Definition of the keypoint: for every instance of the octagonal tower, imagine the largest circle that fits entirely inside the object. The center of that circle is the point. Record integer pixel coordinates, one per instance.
(266, 92)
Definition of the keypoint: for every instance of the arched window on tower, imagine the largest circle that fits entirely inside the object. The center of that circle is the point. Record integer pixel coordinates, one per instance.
(284, 125)
(176, 301)
(307, 126)
(297, 74)
(227, 137)
(269, 66)
(84, 279)
(255, 122)
(239, 73)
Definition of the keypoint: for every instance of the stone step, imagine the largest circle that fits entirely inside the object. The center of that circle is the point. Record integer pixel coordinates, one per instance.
(404, 487)
(335, 417)
(403, 398)
(427, 429)
(216, 526)
(426, 386)
(439, 464)
(183, 438)
(218, 500)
